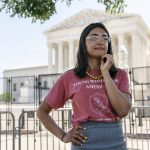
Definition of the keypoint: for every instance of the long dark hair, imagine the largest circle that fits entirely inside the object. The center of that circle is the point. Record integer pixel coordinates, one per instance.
(82, 62)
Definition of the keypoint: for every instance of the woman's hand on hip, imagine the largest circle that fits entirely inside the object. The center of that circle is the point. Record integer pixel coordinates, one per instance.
(75, 136)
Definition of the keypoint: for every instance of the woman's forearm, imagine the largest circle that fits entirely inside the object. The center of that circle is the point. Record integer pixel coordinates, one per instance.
(120, 101)
(49, 123)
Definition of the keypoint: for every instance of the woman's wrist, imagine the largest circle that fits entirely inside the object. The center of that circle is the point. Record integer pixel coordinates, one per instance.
(105, 73)
(62, 138)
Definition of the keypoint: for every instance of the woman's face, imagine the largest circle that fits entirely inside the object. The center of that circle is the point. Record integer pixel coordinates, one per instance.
(97, 43)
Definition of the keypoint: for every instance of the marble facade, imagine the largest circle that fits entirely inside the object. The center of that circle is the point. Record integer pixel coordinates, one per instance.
(127, 30)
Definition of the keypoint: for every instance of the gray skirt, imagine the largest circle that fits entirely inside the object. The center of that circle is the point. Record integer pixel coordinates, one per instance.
(102, 136)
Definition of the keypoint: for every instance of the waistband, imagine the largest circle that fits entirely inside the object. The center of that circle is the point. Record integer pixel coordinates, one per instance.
(101, 124)
(105, 120)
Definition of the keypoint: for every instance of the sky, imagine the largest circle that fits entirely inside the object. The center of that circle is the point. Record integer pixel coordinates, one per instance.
(23, 44)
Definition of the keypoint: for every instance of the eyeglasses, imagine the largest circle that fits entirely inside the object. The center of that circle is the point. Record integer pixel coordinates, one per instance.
(95, 38)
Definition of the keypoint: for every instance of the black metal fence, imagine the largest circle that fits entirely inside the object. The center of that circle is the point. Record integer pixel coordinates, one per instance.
(140, 78)
(27, 132)
(32, 89)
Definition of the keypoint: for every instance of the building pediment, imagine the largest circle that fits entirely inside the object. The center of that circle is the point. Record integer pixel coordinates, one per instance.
(85, 17)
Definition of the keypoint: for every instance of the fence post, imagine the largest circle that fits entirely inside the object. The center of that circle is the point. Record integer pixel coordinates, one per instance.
(23, 120)
(63, 127)
(19, 130)
(140, 117)
(69, 118)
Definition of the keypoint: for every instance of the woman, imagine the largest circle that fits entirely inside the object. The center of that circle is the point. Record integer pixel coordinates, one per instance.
(99, 92)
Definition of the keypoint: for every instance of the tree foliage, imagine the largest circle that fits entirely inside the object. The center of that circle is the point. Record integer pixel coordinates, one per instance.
(5, 97)
(42, 10)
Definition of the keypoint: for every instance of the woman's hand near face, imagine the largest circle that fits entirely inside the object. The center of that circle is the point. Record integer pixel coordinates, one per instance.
(75, 136)
(106, 62)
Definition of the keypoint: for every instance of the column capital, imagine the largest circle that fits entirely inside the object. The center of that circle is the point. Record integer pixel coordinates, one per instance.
(49, 45)
(134, 33)
(71, 41)
(60, 43)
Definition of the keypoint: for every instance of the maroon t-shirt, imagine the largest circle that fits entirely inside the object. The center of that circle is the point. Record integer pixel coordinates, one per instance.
(89, 97)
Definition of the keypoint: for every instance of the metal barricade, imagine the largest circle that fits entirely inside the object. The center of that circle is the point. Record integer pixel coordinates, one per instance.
(34, 136)
(7, 131)
(31, 134)
(136, 128)
(27, 129)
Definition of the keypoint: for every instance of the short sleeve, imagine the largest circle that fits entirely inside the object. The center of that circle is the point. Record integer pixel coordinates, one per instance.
(124, 82)
(58, 95)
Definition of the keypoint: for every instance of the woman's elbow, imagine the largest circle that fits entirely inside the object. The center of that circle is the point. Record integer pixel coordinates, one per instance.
(43, 110)
(123, 114)
(125, 111)
(39, 113)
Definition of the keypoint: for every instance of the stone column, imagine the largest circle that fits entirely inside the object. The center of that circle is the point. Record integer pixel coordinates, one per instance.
(50, 59)
(123, 58)
(120, 41)
(144, 52)
(114, 41)
(76, 47)
(148, 55)
(71, 54)
(136, 50)
(60, 57)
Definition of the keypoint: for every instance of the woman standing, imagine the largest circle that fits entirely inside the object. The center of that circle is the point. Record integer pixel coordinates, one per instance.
(99, 92)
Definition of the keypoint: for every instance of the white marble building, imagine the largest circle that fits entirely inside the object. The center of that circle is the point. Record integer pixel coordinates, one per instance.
(128, 31)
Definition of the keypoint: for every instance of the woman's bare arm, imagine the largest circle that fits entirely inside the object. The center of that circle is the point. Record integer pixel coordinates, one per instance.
(43, 115)
(72, 135)
(120, 101)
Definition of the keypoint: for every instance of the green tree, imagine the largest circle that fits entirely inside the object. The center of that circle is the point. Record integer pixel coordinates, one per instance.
(5, 97)
(42, 10)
